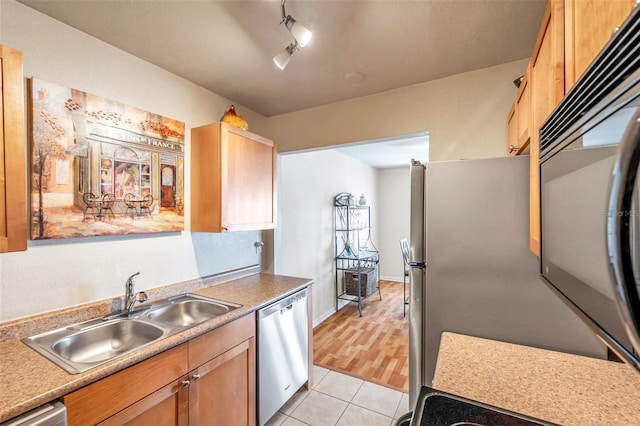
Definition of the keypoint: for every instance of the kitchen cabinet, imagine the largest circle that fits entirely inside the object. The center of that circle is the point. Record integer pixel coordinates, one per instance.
(209, 379)
(168, 406)
(519, 118)
(232, 180)
(13, 191)
(100, 400)
(512, 130)
(572, 34)
(223, 375)
(547, 90)
(589, 24)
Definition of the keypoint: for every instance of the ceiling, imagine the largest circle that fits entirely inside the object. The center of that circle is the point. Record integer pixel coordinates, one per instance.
(390, 152)
(359, 48)
(227, 46)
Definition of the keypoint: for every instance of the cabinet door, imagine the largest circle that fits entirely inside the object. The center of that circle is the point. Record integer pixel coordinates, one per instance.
(13, 207)
(589, 25)
(222, 391)
(519, 118)
(102, 399)
(523, 102)
(512, 130)
(248, 181)
(232, 180)
(168, 406)
(547, 90)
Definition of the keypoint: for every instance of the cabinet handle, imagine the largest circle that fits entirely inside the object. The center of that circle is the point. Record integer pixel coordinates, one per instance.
(196, 377)
(185, 383)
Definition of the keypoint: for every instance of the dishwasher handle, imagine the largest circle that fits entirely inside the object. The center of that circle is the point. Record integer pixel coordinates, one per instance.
(283, 305)
(288, 308)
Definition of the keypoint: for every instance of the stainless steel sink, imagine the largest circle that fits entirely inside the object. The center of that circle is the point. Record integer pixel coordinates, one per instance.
(106, 341)
(82, 346)
(85, 345)
(188, 310)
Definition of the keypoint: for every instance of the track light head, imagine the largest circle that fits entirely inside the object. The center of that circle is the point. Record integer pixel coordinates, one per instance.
(282, 59)
(299, 31)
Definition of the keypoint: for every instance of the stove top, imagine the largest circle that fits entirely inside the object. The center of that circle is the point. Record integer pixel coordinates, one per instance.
(437, 408)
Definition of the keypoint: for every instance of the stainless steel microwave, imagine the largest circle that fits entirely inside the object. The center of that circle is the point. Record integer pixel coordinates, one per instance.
(589, 196)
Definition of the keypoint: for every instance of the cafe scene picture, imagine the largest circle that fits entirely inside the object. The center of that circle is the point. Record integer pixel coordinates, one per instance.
(99, 167)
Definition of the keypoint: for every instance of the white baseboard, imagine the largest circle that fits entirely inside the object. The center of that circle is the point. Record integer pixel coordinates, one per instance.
(318, 320)
(396, 279)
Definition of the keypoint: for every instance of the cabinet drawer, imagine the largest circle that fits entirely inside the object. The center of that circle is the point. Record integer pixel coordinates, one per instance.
(215, 342)
(104, 398)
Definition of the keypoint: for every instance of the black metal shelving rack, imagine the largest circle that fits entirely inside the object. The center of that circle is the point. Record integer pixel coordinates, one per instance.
(355, 252)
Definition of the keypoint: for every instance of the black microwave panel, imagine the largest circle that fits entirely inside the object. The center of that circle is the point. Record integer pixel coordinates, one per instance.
(574, 210)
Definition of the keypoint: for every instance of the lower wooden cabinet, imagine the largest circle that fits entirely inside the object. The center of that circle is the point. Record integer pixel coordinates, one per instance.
(223, 376)
(209, 380)
(223, 390)
(167, 406)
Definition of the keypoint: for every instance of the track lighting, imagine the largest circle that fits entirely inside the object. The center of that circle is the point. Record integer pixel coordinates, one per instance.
(301, 35)
(283, 58)
(299, 32)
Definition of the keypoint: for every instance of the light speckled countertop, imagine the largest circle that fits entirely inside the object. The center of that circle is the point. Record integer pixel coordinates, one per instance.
(553, 386)
(27, 379)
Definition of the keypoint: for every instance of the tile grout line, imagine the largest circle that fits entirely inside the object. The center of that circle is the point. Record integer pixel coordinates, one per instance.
(348, 402)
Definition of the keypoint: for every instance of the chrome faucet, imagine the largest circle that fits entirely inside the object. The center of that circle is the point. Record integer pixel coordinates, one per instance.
(130, 296)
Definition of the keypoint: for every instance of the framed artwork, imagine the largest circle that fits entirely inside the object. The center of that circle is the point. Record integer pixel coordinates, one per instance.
(99, 167)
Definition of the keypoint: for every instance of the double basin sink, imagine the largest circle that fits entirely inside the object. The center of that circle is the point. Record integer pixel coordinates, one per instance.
(85, 345)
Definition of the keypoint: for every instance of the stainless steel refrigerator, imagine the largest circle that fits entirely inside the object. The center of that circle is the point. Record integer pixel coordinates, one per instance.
(472, 272)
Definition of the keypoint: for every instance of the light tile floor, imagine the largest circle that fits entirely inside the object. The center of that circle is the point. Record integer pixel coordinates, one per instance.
(342, 400)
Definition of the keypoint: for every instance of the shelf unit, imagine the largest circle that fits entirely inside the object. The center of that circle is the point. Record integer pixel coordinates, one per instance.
(356, 257)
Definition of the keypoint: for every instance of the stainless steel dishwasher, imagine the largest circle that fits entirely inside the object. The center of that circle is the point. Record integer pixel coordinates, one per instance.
(283, 352)
(50, 414)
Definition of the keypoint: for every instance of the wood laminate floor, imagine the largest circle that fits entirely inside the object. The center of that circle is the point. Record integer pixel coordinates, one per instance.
(374, 347)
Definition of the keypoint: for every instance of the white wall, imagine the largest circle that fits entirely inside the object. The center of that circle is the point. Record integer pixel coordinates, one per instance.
(55, 274)
(465, 116)
(309, 183)
(394, 197)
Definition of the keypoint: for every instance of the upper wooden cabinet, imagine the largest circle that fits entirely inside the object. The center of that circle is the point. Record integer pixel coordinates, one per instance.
(13, 191)
(512, 130)
(519, 118)
(572, 34)
(547, 90)
(232, 180)
(589, 24)
(523, 101)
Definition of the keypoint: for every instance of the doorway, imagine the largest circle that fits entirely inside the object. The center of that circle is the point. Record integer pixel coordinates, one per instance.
(308, 183)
